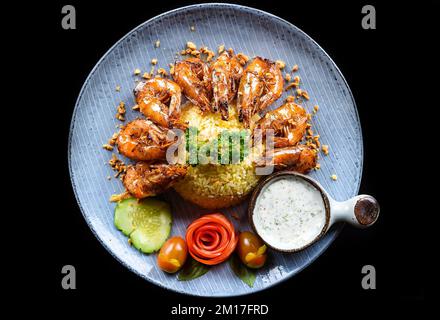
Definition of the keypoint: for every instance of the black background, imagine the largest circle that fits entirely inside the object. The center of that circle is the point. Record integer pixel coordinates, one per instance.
(379, 67)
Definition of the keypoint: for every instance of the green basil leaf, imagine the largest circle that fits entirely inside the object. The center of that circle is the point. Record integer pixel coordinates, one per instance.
(192, 270)
(246, 275)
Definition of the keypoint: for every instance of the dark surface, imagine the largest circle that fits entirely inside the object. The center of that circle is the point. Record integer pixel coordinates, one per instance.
(374, 63)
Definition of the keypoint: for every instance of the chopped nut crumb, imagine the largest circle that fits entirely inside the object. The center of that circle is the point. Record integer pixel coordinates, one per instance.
(190, 45)
(209, 53)
(290, 99)
(136, 107)
(318, 166)
(325, 149)
(183, 52)
(316, 141)
(280, 64)
(154, 61)
(137, 71)
(221, 48)
(112, 140)
(295, 68)
(171, 68)
(118, 88)
(121, 107)
(242, 58)
(291, 85)
(287, 77)
(195, 53)
(109, 177)
(146, 76)
(310, 132)
(121, 111)
(315, 109)
(162, 72)
(305, 95)
(117, 165)
(334, 177)
(294, 84)
(157, 44)
(107, 147)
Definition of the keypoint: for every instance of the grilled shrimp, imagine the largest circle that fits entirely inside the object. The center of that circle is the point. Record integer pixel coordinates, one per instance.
(289, 123)
(226, 72)
(192, 75)
(143, 140)
(300, 158)
(146, 180)
(152, 96)
(261, 84)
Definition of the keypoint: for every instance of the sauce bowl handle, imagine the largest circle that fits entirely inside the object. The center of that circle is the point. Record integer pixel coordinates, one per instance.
(361, 211)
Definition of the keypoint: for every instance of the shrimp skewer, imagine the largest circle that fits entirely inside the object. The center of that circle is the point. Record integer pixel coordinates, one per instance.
(143, 140)
(146, 180)
(226, 72)
(192, 75)
(152, 96)
(289, 123)
(261, 84)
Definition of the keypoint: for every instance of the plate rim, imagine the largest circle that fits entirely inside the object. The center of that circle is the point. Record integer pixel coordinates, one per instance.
(128, 34)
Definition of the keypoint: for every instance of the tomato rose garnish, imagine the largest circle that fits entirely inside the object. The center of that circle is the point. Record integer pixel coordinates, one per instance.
(211, 239)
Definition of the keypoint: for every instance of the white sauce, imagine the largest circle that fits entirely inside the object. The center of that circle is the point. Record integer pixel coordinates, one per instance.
(289, 213)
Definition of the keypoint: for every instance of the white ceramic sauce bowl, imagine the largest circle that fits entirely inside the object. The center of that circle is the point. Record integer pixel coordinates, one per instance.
(360, 211)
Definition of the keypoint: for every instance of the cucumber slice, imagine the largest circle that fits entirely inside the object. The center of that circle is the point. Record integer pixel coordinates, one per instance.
(146, 222)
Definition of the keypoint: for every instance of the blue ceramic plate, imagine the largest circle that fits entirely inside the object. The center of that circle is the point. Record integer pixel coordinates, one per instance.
(244, 29)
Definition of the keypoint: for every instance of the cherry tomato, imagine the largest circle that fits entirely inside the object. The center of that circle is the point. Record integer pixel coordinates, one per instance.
(172, 255)
(251, 250)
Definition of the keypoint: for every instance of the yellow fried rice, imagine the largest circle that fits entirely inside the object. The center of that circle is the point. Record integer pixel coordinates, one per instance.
(215, 186)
